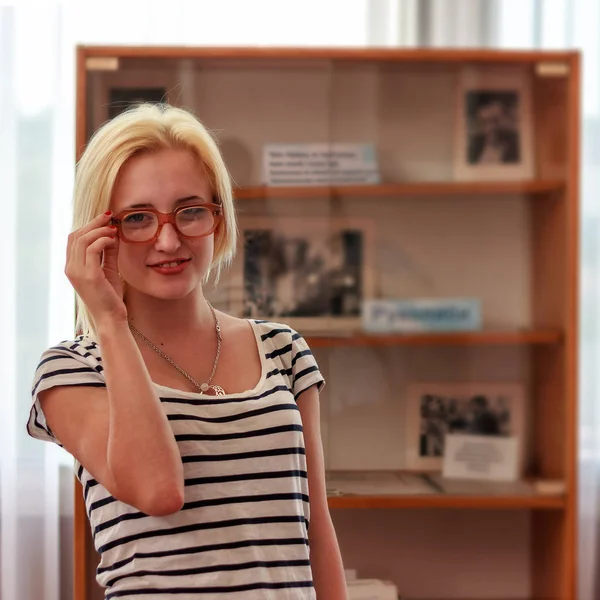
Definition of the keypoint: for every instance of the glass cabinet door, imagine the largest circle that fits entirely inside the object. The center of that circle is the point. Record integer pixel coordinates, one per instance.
(442, 399)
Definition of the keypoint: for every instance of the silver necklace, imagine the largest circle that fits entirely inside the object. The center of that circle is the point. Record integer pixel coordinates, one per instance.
(203, 387)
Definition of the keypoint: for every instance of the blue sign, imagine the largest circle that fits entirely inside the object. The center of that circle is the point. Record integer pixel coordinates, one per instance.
(421, 314)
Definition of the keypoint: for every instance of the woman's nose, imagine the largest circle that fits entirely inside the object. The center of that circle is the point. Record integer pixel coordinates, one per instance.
(168, 239)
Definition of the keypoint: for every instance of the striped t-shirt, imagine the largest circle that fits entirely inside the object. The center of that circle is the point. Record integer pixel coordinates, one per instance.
(243, 530)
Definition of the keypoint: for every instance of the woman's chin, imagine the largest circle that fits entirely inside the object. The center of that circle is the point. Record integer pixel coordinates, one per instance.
(175, 290)
(168, 290)
(170, 294)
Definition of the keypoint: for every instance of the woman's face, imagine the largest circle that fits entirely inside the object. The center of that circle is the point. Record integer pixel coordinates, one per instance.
(163, 180)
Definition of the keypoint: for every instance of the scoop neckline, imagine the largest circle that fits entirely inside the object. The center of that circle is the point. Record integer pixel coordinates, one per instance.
(263, 374)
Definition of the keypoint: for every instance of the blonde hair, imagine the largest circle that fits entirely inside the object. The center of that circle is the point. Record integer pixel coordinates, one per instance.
(149, 128)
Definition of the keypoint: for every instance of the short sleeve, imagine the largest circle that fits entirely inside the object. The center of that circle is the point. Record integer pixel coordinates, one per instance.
(70, 363)
(305, 370)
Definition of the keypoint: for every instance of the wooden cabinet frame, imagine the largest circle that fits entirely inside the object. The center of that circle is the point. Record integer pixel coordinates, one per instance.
(553, 340)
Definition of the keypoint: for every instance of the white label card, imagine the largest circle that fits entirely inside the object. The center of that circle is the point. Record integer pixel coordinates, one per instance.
(486, 457)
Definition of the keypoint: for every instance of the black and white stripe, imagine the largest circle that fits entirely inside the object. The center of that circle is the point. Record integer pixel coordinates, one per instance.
(243, 530)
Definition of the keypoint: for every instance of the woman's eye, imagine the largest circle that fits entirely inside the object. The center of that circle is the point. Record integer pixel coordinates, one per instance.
(137, 218)
(194, 212)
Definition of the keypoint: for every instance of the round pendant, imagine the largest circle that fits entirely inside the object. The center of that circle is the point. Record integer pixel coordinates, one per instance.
(212, 390)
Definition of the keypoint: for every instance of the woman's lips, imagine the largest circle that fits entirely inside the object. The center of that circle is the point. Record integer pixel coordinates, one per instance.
(172, 267)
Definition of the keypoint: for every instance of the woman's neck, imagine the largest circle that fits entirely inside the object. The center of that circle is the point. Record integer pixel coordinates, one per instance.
(162, 320)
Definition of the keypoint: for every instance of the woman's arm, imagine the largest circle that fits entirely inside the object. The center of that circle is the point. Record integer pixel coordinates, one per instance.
(325, 556)
(120, 433)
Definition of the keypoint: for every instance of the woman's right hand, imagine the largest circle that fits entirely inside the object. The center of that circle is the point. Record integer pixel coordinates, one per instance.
(91, 268)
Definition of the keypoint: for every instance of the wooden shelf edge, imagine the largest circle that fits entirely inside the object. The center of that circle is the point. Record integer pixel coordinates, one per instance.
(457, 55)
(450, 501)
(476, 338)
(432, 188)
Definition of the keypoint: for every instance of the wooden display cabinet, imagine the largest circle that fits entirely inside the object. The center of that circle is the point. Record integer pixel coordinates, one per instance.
(443, 224)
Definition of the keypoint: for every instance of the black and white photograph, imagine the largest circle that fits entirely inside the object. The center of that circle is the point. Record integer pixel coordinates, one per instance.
(436, 410)
(305, 272)
(296, 276)
(477, 414)
(494, 126)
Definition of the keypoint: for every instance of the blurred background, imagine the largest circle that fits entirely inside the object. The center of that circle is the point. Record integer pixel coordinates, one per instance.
(37, 133)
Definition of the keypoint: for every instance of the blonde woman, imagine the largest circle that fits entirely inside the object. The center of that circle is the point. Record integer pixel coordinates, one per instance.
(195, 434)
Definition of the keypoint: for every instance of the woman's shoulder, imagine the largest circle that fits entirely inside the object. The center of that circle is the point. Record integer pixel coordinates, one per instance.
(70, 362)
(81, 353)
(275, 327)
(280, 335)
(266, 328)
(289, 351)
(80, 346)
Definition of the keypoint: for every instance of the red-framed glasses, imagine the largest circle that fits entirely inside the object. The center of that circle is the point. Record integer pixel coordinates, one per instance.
(139, 226)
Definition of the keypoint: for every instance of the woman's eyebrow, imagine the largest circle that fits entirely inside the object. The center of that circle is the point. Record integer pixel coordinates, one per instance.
(177, 202)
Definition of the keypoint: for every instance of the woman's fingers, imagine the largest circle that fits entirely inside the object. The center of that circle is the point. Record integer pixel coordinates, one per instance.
(93, 258)
(95, 223)
(77, 257)
(92, 268)
(84, 242)
(111, 253)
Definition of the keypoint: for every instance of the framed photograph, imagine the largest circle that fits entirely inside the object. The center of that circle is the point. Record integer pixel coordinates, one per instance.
(471, 408)
(494, 126)
(310, 273)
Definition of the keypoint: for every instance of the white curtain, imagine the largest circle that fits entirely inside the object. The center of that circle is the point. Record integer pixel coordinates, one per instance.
(37, 43)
